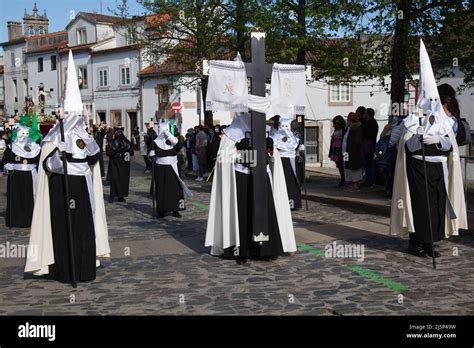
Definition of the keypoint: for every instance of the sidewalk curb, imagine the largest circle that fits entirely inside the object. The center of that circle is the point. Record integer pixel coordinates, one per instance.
(353, 203)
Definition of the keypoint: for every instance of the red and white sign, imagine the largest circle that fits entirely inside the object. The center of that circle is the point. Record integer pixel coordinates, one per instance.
(176, 107)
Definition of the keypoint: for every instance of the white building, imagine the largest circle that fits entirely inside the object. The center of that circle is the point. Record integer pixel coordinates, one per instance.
(15, 67)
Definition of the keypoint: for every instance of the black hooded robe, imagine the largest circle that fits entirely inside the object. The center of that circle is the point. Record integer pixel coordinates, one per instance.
(437, 195)
(20, 198)
(248, 248)
(82, 221)
(119, 151)
(168, 190)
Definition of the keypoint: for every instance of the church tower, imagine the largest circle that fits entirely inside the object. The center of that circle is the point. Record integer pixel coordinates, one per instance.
(35, 24)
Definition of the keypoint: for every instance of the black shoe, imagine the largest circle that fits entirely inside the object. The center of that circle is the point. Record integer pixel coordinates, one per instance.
(427, 249)
(176, 214)
(417, 250)
(122, 200)
(160, 215)
(341, 184)
(241, 261)
(111, 199)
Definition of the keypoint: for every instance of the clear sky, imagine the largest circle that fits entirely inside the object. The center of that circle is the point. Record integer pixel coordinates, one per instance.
(59, 11)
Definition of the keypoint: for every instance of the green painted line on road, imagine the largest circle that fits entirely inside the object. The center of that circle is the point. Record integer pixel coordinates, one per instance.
(200, 205)
(310, 249)
(362, 271)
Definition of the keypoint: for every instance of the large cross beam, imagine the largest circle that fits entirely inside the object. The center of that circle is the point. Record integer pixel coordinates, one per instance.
(259, 71)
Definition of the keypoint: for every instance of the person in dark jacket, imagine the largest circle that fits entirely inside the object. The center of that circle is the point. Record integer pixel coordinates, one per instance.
(213, 146)
(335, 149)
(352, 152)
(370, 129)
(99, 135)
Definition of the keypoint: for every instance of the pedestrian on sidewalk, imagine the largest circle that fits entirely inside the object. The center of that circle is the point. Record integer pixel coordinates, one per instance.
(99, 135)
(181, 156)
(213, 146)
(352, 152)
(370, 129)
(201, 152)
(144, 150)
(335, 149)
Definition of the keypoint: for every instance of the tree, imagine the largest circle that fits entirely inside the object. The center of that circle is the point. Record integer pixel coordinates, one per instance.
(402, 23)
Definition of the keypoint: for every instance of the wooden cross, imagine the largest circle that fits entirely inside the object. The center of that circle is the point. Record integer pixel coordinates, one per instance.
(259, 71)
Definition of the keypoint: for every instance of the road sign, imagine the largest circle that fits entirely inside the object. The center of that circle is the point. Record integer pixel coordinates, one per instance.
(176, 107)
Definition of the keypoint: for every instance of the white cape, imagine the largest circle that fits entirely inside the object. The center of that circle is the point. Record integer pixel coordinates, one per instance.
(223, 221)
(41, 239)
(401, 217)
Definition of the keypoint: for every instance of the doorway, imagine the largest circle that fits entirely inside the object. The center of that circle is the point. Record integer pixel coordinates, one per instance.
(311, 144)
(132, 121)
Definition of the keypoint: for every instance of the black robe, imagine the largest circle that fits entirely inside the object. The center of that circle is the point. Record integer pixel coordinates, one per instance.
(168, 190)
(82, 222)
(437, 195)
(119, 151)
(292, 183)
(20, 198)
(245, 203)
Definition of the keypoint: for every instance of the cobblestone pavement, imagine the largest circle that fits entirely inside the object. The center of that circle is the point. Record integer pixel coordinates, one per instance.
(161, 267)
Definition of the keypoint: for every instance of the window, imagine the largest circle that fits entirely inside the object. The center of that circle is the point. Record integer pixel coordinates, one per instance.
(163, 94)
(103, 78)
(12, 57)
(130, 38)
(339, 93)
(116, 117)
(40, 64)
(124, 75)
(15, 90)
(53, 63)
(41, 31)
(31, 31)
(81, 36)
(25, 88)
(82, 77)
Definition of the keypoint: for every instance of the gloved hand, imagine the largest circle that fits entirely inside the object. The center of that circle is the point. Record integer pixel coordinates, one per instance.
(62, 146)
(301, 147)
(151, 153)
(7, 167)
(420, 130)
(431, 139)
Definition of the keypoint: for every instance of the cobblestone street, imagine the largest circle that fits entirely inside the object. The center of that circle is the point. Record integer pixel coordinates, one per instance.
(161, 267)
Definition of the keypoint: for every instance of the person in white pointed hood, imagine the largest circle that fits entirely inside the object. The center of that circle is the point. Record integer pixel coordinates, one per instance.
(288, 144)
(409, 212)
(169, 187)
(86, 204)
(229, 225)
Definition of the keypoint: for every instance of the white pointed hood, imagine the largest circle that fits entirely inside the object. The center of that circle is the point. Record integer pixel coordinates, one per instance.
(240, 125)
(74, 125)
(72, 98)
(165, 141)
(284, 139)
(428, 101)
